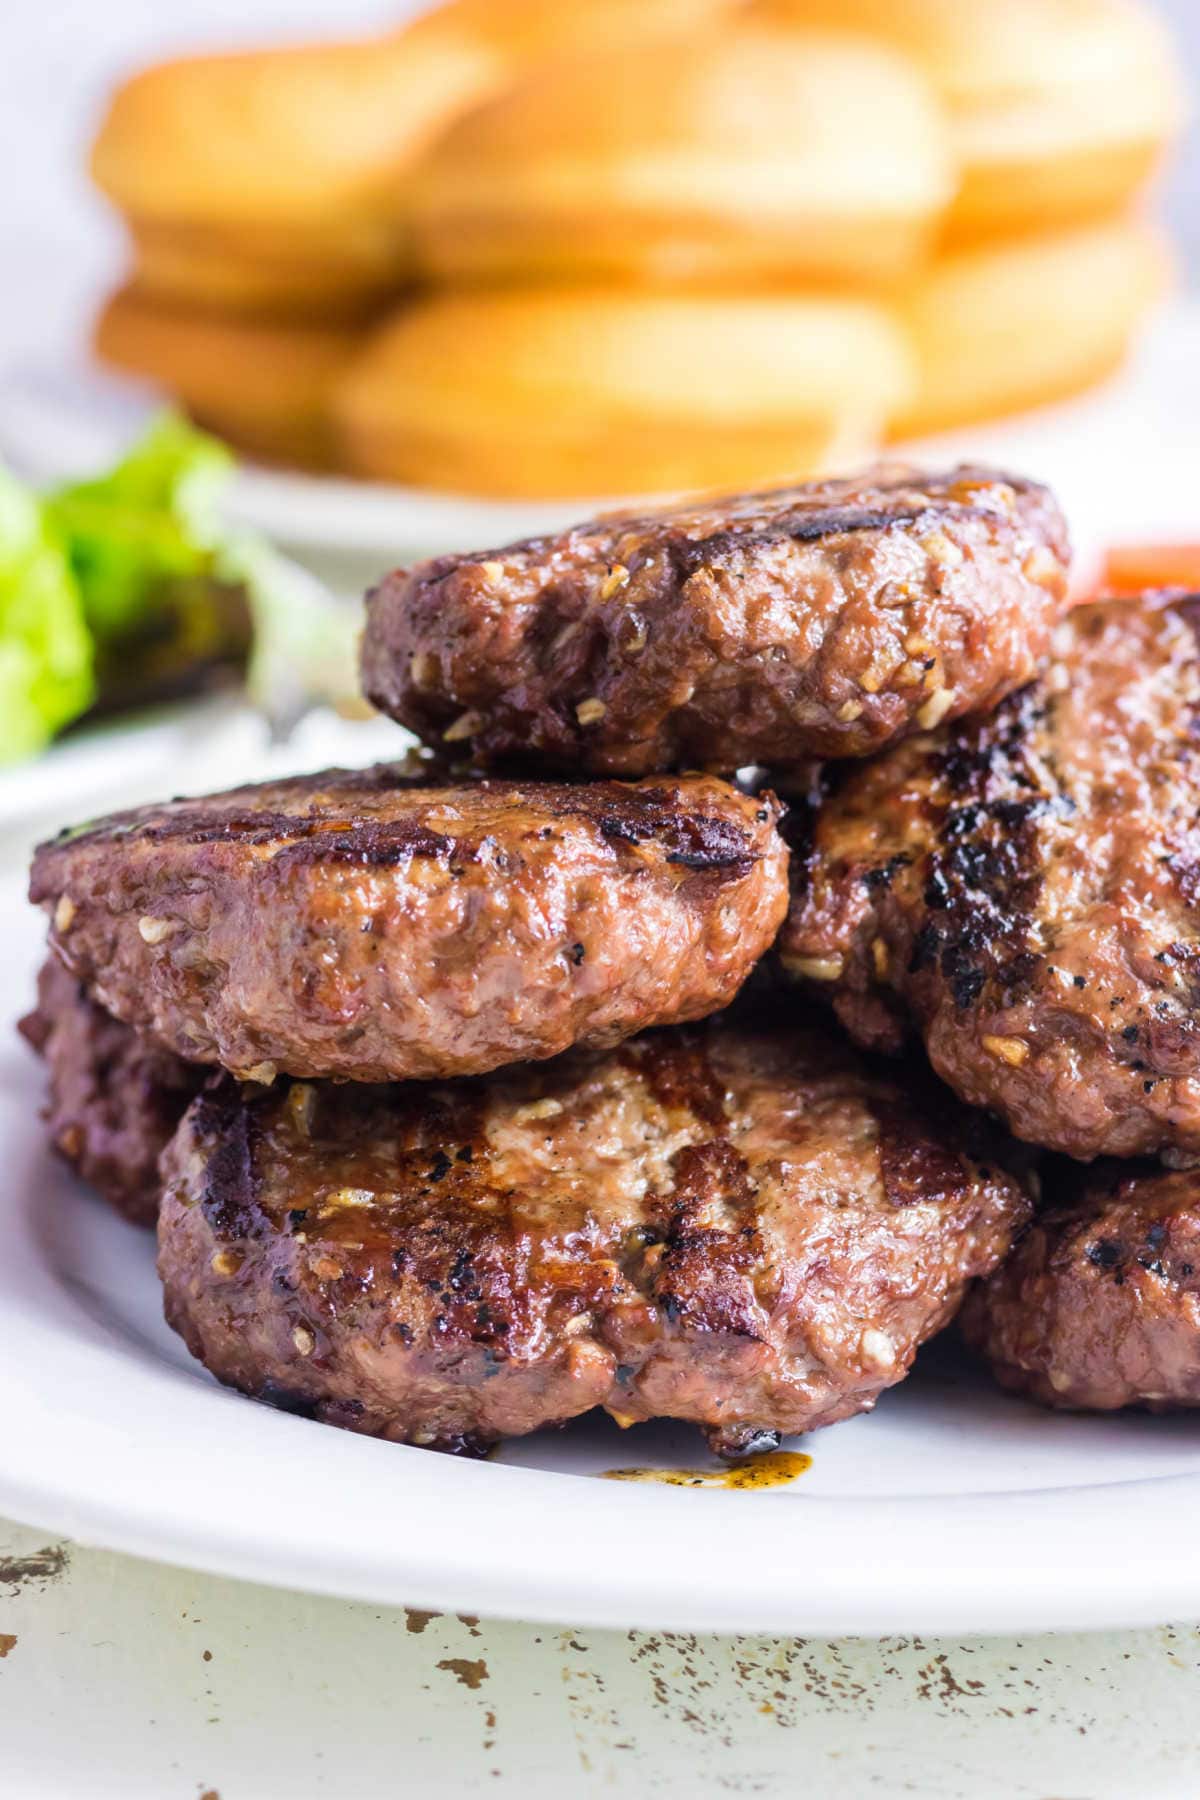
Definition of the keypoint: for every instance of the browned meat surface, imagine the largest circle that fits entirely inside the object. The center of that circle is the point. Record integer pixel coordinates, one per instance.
(827, 619)
(363, 926)
(742, 1228)
(1024, 887)
(115, 1098)
(1099, 1305)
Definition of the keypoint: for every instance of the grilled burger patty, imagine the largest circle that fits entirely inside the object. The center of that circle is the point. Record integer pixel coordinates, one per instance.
(1099, 1305)
(114, 1097)
(1025, 888)
(369, 926)
(741, 1227)
(827, 619)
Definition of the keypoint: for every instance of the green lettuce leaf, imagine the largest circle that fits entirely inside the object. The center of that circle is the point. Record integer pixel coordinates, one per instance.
(46, 676)
(132, 587)
(149, 524)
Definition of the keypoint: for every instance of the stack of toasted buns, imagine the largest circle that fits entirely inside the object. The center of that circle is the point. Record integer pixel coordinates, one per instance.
(527, 250)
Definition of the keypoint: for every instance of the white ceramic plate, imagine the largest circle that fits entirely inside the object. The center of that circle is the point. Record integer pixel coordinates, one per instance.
(190, 747)
(1122, 460)
(952, 1509)
(115, 756)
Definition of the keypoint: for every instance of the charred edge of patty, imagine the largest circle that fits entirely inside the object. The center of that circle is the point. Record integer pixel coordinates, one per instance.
(622, 814)
(984, 874)
(799, 523)
(1112, 1217)
(226, 1128)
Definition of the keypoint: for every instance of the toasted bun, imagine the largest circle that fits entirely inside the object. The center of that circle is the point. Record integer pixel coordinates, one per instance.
(323, 272)
(732, 153)
(276, 178)
(523, 30)
(263, 386)
(269, 177)
(997, 330)
(284, 135)
(1059, 109)
(585, 392)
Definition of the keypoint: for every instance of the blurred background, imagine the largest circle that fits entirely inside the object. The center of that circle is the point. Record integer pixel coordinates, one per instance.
(61, 62)
(437, 277)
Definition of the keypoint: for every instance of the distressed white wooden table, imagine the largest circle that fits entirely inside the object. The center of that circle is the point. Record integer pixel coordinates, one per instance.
(122, 1678)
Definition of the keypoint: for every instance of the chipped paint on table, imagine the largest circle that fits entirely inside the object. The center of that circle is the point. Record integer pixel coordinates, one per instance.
(124, 1678)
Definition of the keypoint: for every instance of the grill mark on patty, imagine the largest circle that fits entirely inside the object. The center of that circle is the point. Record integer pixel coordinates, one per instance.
(378, 844)
(696, 842)
(688, 556)
(679, 1074)
(469, 1276)
(617, 809)
(983, 878)
(229, 1200)
(703, 1280)
(915, 1165)
(621, 813)
(974, 480)
(806, 524)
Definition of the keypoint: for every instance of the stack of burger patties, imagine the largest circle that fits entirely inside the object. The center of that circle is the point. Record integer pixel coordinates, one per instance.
(471, 1092)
